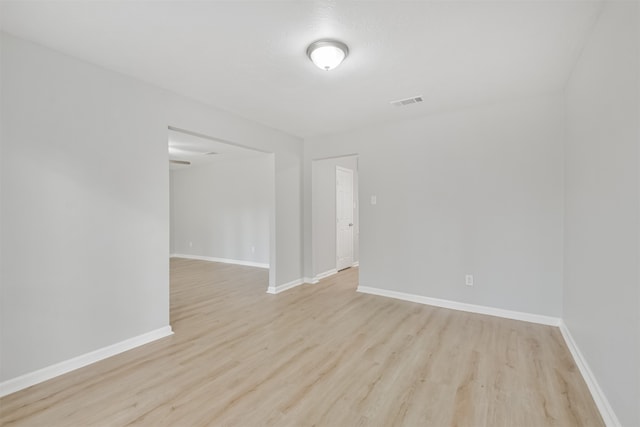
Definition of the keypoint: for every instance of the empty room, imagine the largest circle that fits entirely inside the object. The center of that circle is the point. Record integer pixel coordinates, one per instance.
(320, 213)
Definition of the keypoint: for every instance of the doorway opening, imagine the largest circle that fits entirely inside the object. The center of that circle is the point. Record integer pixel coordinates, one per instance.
(335, 212)
(222, 201)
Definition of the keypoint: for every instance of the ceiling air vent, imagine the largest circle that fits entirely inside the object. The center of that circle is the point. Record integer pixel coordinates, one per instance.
(407, 101)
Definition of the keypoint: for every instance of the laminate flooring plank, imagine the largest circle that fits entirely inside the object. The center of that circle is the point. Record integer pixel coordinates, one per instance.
(316, 355)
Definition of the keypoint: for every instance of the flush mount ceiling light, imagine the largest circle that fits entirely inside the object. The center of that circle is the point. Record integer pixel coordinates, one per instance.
(327, 54)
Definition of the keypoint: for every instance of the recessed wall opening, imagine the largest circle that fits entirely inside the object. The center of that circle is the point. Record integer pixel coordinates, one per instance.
(335, 219)
(222, 201)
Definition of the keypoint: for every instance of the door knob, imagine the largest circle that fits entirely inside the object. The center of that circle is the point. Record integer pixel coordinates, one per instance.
(351, 224)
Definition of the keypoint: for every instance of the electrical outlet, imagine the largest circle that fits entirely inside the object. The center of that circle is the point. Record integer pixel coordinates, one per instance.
(253, 249)
(468, 280)
(190, 244)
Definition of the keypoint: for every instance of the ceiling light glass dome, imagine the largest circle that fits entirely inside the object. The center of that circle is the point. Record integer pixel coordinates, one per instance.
(327, 54)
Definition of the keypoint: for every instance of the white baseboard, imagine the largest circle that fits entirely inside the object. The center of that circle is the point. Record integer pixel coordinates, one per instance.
(285, 287)
(297, 282)
(326, 274)
(356, 264)
(224, 260)
(44, 374)
(317, 278)
(598, 395)
(454, 305)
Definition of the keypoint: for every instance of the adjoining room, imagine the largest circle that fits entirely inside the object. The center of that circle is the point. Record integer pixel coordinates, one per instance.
(221, 200)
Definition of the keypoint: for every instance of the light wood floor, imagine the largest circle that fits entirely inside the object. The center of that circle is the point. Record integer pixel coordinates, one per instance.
(316, 355)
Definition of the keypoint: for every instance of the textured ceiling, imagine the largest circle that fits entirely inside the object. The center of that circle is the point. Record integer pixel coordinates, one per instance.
(249, 57)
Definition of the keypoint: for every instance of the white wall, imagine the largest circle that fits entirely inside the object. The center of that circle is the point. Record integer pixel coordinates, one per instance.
(602, 284)
(84, 223)
(476, 191)
(85, 203)
(221, 209)
(324, 211)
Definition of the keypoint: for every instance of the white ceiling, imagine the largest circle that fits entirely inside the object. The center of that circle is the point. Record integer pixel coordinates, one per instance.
(202, 149)
(248, 57)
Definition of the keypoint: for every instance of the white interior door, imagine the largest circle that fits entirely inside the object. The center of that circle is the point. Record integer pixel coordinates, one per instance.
(344, 218)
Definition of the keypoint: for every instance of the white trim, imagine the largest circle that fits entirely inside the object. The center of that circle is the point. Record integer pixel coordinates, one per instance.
(355, 264)
(326, 274)
(455, 305)
(608, 416)
(224, 260)
(44, 374)
(285, 287)
(317, 278)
